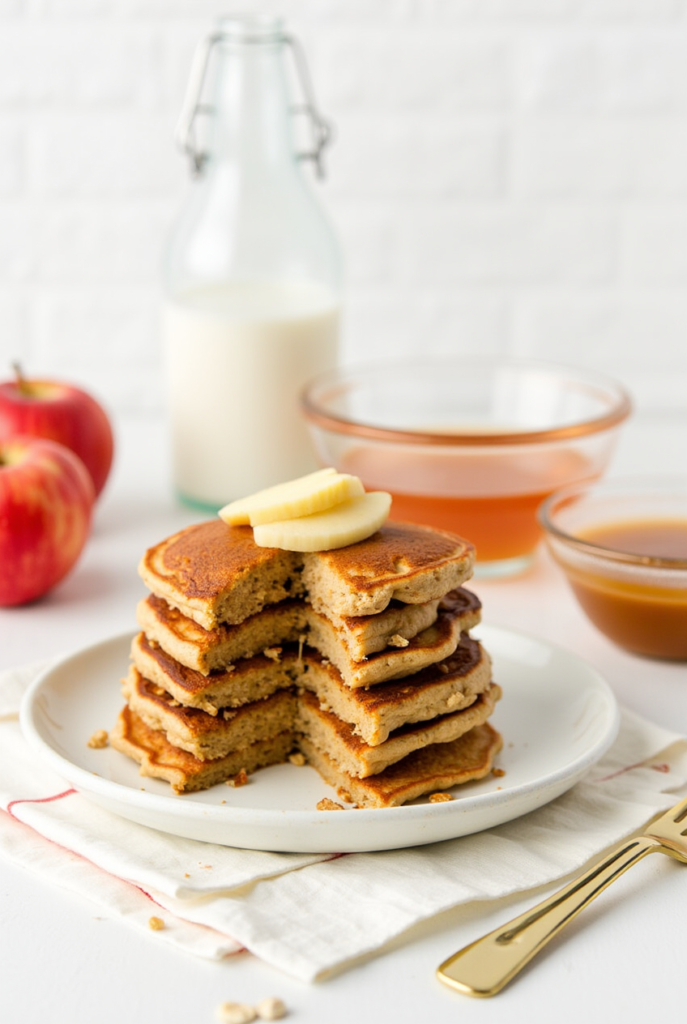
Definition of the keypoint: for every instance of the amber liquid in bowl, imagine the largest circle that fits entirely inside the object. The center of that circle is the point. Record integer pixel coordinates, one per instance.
(646, 619)
(501, 528)
(490, 499)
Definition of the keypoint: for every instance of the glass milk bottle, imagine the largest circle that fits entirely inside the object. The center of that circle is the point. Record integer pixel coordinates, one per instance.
(252, 273)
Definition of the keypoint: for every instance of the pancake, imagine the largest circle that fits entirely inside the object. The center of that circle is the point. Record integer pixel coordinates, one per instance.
(433, 644)
(216, 573)
(208, 650)
(250, 679)
(205, 736)
(402, 561)
(438, 767)
(339, 742)
(367, 634)
(158, 758)
(449, 685)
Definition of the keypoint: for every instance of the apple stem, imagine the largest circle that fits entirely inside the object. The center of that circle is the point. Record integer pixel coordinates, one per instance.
(20, 378)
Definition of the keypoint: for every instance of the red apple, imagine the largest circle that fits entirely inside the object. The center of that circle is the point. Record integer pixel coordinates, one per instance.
(60, 412)
(46, 504)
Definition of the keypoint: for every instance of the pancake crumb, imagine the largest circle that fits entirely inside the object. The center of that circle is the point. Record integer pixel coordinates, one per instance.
(271, 1008)
(325, 804)
(440, 798)
(298, 759)
(156, 924)
(235, 1013)
(240, 779)
(498, 772)
(99, 739)
(398, 641)
(273, 653)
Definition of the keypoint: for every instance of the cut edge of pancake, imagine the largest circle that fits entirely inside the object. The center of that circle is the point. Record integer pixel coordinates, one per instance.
(437, 767)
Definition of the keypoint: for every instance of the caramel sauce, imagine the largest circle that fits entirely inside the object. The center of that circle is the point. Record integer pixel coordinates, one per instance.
(646, 619)
(654, 538)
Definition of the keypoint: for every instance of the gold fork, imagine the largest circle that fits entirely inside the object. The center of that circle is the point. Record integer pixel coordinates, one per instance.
(484, 967)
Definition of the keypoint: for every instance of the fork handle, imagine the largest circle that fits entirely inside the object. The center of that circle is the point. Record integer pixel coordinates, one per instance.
(484, 967)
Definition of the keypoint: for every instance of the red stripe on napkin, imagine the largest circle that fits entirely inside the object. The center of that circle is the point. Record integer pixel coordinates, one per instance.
(38, 800)
(144, 892)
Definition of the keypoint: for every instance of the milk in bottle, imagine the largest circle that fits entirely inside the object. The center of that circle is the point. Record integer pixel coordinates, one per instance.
(252, 274)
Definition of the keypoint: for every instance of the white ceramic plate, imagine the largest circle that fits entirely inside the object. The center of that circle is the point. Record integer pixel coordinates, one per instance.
(557, 717)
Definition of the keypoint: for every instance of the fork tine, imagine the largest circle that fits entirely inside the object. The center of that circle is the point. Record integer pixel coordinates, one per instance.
(680, 812)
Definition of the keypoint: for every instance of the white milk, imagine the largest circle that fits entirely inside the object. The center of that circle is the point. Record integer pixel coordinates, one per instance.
(237, 357)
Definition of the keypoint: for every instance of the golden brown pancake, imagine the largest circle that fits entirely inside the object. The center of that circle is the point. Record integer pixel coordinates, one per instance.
(158, 758)
(400, 659)
(208, 650)
(402, 561)
(368, 634)
(249, 680)
(216, 573)
(205, 736)
(432, 769)
(374, 713)
(339, 742)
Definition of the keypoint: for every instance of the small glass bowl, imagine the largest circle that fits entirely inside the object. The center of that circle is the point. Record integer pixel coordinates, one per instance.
(472, 445)
(638, 600)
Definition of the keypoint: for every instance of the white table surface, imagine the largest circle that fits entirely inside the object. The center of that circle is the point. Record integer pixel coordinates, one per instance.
(61, 960)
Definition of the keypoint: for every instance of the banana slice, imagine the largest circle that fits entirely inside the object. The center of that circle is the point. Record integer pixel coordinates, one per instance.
(346, 523)
(301, 497)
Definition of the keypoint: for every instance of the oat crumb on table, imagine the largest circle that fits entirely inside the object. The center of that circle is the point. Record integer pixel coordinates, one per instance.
(156, 924)
(325, 804)
(235, 1013)
(99, 739)
(440, 798)
(271, 1008)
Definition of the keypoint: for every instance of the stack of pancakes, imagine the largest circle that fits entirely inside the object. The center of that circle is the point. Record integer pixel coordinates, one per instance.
(358, 659)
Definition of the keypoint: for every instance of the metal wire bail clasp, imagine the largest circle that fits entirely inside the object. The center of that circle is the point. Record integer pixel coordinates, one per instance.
(192, 106)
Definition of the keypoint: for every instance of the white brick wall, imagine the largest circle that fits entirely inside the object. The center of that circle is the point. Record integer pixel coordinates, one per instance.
(509, 175)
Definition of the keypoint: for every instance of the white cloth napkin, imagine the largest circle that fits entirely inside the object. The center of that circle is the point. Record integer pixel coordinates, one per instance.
(310, 914)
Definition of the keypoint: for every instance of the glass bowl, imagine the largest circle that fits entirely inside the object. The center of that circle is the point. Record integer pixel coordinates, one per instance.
(622, 545)
(472, 445)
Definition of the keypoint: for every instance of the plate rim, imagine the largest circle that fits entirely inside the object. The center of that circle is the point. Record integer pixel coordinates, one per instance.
(89, 784)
